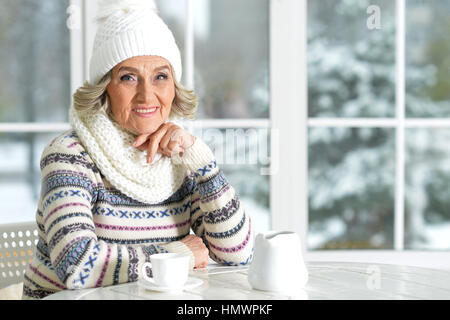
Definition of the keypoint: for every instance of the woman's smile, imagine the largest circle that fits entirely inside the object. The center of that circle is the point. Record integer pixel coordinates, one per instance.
(145, 112)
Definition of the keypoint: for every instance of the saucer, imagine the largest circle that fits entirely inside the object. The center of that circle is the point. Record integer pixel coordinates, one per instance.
(191, 283)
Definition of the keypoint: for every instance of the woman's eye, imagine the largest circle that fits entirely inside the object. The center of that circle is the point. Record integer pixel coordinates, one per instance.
(162, 76)
(126, 77)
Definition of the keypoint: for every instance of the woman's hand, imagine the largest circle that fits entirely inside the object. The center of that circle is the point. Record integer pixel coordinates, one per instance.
(168, 140)
(198, 248)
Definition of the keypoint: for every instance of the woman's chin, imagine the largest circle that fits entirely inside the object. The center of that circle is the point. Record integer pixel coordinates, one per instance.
(143, 127)
(138, 129)
(144, 130)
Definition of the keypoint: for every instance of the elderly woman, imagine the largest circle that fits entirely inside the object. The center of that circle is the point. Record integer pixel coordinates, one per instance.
(128, 182)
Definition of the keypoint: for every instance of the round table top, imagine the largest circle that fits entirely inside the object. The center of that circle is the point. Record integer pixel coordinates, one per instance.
(327, 280)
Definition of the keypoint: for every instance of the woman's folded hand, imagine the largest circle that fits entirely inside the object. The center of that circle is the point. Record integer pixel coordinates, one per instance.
(199, 249)
(168, 140)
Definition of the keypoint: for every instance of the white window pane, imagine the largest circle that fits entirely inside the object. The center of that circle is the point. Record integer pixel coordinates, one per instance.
(351, 185)
(20, 176)
(427, 202)
(427, 58)
(232, 58)
(35, 61)
(351, 62)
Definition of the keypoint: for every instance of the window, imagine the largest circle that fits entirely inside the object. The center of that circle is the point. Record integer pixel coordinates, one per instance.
(351, 75)
(378, 98)
(427, 106)
(34, 96)
(347, 141)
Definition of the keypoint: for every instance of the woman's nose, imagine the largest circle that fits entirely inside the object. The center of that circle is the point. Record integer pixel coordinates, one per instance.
(146, 93)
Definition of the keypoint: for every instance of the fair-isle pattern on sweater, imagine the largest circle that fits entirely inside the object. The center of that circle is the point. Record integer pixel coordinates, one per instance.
(91, 234)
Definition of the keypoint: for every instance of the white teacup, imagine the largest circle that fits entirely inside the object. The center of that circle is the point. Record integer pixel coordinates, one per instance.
(168, 269)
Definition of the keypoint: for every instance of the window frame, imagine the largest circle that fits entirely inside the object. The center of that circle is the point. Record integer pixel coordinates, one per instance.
(289, 61)
(288, 88)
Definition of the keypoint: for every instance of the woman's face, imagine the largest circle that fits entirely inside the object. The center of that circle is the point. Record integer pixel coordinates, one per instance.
(141, 93)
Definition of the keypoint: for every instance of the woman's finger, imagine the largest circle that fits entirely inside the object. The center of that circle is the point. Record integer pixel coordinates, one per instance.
(173, 148)
(140, 140)
(153, 146)
(168, 137)
(144, 146)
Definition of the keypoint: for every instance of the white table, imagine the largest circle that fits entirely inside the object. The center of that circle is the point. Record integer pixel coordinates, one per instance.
(327, 280)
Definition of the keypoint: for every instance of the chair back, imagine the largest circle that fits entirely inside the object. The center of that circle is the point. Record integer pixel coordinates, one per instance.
(17, 243)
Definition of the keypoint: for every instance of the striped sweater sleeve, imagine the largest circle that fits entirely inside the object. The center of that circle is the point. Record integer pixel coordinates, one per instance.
(78, 257)
(217, 214)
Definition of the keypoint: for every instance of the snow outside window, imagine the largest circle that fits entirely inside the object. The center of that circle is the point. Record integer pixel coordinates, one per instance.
(378, 134)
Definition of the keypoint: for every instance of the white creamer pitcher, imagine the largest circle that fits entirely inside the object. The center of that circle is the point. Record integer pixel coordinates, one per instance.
(278, 263)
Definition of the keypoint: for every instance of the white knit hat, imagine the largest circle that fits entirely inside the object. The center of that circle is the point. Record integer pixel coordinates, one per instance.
(130, 28)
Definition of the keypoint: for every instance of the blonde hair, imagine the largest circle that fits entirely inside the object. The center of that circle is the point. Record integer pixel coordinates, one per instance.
(91, 97)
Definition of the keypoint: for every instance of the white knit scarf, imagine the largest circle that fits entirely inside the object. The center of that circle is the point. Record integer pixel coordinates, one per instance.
(110, 147)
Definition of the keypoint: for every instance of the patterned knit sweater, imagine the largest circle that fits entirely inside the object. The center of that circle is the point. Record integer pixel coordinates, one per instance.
(92, 235)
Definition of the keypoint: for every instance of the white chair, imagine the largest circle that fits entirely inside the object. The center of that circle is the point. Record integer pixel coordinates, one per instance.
(17, 243)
